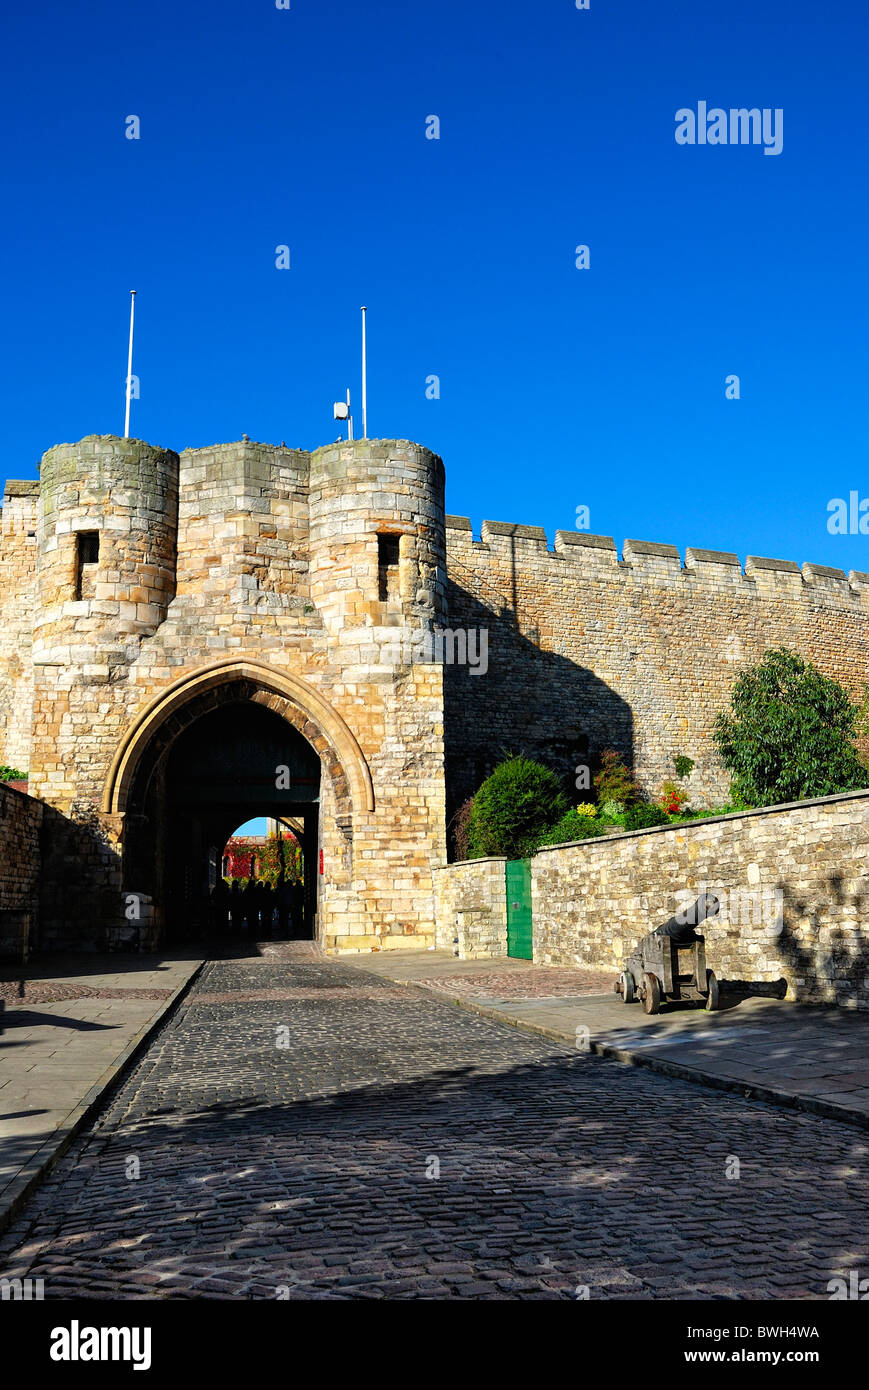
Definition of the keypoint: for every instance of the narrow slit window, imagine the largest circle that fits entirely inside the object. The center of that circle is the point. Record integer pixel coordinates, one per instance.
(87, 560)
(387, 565)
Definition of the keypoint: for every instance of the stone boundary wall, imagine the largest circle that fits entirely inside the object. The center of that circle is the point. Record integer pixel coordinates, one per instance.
(471, 908)
(20, 825)
(794, 882)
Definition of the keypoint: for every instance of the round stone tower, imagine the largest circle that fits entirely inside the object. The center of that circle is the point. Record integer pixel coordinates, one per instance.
(106, 534)
(377, 548)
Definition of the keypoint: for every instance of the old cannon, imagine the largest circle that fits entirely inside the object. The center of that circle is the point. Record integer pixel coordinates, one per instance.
(670, 963)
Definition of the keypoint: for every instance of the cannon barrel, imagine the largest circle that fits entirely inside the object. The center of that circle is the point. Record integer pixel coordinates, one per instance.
(681, 927)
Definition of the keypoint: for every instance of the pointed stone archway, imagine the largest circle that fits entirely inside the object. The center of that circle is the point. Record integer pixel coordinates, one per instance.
(283, 691)
(221, 726)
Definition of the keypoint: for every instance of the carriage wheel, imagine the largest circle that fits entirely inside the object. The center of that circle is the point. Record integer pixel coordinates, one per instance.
(627, 991)
(711, 991)
(651, 993)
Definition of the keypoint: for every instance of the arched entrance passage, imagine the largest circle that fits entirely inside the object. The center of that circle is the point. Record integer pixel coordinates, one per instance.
(232, 764)
(226, 744)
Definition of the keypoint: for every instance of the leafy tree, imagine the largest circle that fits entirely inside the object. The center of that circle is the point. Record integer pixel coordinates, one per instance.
(281, 853)
(514, 806)
(789, 734)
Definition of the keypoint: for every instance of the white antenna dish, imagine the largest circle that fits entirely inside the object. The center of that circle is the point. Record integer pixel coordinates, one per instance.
(341, 411)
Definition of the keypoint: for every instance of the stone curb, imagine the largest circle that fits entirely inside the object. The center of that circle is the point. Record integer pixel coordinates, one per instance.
(771, 1095)
(31, 1174)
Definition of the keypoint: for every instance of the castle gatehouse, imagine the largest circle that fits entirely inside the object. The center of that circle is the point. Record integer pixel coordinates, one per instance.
(245, 630)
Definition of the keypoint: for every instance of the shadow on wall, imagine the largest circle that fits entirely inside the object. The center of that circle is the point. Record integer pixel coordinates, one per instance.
(834, 970)
(528, 701)
(79, 884)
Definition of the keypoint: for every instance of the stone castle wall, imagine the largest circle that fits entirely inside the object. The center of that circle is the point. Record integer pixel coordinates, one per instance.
(588, 650)
(594, 900)
(20, 863)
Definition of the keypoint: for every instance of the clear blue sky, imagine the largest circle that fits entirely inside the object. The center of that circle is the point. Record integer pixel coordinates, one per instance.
(559, 387)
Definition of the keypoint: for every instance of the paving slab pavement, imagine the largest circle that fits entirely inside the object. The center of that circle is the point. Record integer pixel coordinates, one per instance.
(811, 1058)
(68, 1027)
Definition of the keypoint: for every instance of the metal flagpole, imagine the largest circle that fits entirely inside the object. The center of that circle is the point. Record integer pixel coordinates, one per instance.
(364, 376)
(129, 366)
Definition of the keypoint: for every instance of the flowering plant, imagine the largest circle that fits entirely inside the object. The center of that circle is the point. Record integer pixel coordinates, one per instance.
(672, 798)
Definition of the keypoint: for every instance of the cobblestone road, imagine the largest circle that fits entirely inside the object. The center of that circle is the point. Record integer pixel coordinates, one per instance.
(303, 1170)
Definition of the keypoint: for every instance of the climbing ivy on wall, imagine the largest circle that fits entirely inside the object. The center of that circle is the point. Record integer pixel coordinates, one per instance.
(277, 852)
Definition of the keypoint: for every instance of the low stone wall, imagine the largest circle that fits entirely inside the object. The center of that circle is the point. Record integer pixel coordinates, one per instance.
(794, 884)
(82, 906)
(471, 908)
(59, 879)
(20, 825)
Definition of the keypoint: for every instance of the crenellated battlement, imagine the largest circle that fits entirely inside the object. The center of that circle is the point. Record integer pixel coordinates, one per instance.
(597, 557)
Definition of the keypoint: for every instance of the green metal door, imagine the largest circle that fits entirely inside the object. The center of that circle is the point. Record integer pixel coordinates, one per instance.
(519, 908)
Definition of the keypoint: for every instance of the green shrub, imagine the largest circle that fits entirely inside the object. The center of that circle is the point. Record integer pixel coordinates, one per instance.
(684, 766)
(12, 774)
(513, 808)
(789, 734)
(574, 825)
(644, 814)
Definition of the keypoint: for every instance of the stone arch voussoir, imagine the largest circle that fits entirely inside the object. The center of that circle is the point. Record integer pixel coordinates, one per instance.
(168, 714)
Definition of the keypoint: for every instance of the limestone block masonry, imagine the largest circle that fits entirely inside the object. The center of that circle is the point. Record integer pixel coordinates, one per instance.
(472, 908)
(20, 825)
(144, 591)
(792, 881)
(17, 605)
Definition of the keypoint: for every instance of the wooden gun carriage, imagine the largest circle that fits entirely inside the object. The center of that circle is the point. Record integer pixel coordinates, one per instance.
(669, 965)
